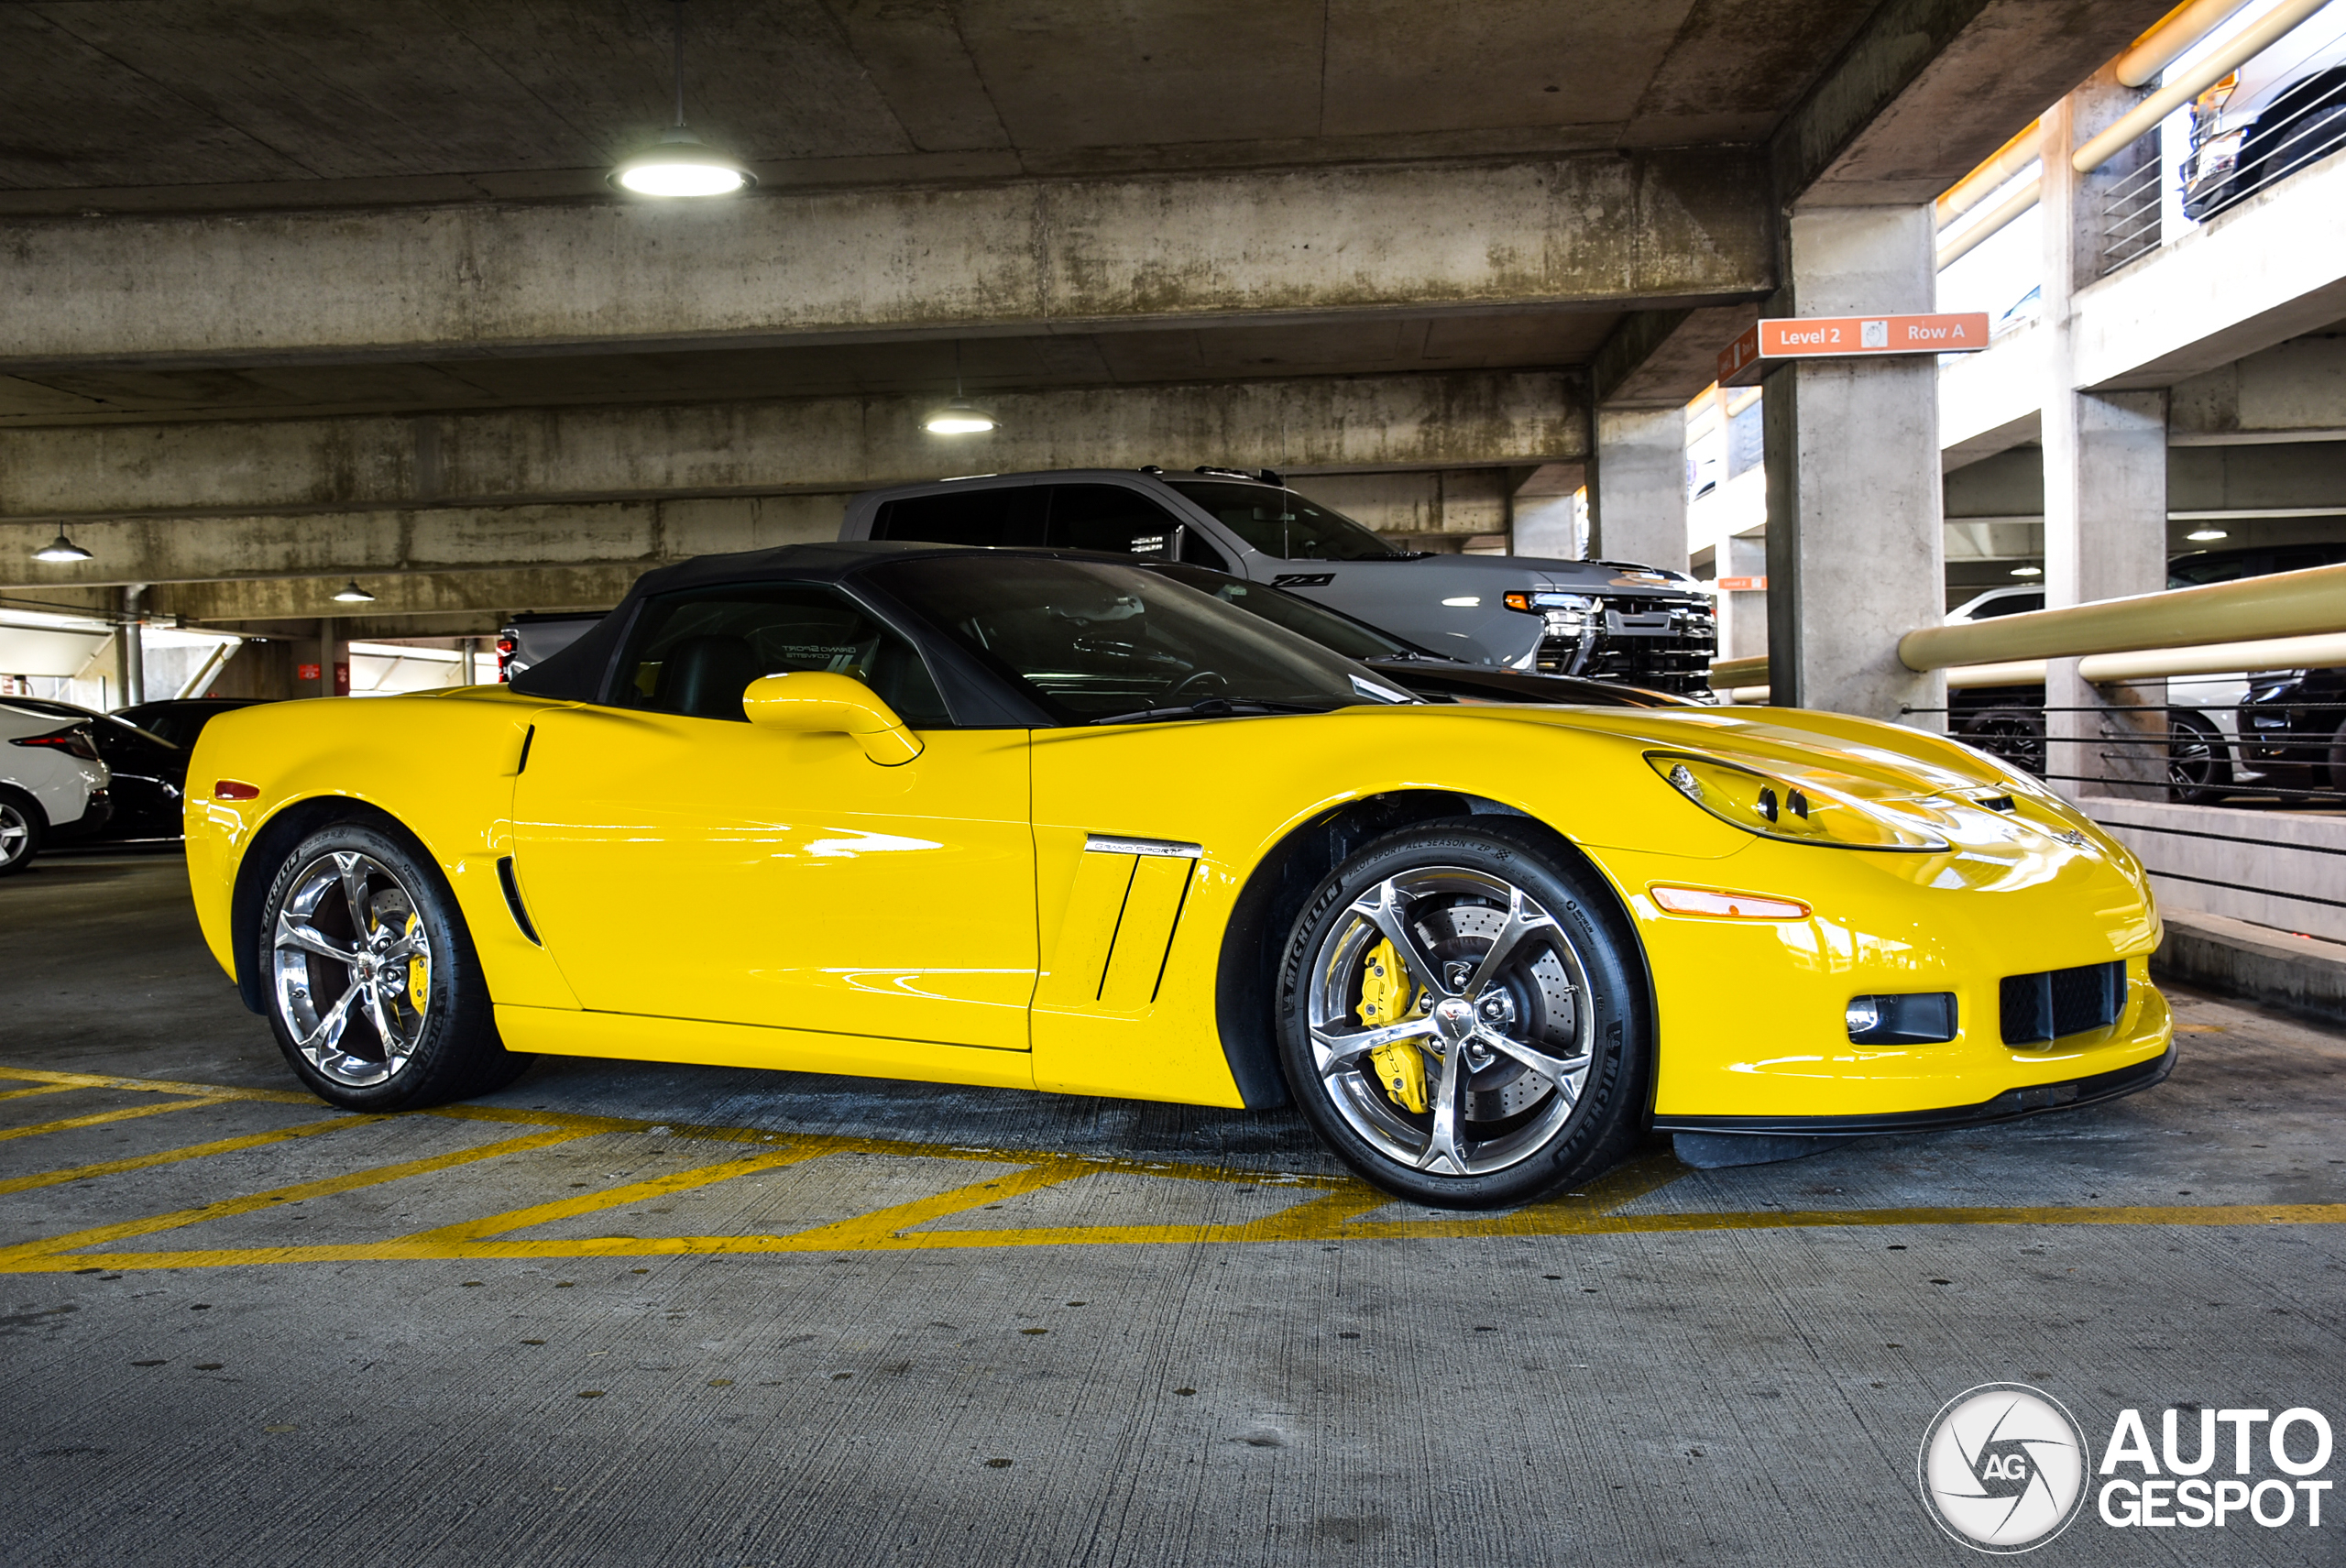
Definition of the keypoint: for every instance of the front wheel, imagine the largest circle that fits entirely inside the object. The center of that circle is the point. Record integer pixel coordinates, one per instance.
(1463, 1019)
(2198, 767)
(375, 994)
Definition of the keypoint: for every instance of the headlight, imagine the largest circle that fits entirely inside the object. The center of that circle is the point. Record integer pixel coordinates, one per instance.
(1567, 605)
(1806, 812)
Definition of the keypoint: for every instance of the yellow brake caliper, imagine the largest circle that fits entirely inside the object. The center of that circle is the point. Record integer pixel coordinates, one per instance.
(1385, 998)
(418, 969)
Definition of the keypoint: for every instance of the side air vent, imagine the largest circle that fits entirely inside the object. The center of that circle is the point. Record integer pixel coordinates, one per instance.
(2063, 1001)
(513, 898)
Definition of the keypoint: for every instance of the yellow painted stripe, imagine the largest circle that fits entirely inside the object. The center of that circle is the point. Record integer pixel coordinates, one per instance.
(173, 1157)
(882, 1228)
(159, 1086)
(44, 1089)
(373, 1176)
(100, 1118)
(1288, 1227)
(616, 1197)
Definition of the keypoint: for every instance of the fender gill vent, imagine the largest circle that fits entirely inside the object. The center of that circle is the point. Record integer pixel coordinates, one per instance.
(2063, 1001)
(513, 898)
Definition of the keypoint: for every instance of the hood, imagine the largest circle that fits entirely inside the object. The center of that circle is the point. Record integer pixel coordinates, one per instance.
(1569, 576)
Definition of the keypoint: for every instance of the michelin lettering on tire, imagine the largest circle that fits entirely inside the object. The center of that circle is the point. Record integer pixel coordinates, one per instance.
(2003, 1468)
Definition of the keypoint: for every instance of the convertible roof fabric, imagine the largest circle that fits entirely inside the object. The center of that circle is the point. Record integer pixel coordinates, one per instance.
(577, 674)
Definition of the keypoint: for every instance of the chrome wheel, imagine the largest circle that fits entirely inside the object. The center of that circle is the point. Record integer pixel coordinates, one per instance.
(352, 968)
(15, 835)
(1451, 1021)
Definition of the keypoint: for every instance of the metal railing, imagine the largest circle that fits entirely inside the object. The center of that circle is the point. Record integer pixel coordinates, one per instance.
(2133, 213)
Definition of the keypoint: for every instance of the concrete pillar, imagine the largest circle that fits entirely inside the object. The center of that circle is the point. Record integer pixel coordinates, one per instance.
(130, 648)
(1638, 501)
(1855, 557)
(329, 652)
(2105, 480)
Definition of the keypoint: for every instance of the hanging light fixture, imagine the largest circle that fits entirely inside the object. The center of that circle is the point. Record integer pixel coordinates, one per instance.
(2202, 535)
(959, 417)
(352, 594)
(2028, 571)
(680, 163)
(60, 550)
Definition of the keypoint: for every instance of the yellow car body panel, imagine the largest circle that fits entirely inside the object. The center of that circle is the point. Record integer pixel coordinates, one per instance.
(1050, 907)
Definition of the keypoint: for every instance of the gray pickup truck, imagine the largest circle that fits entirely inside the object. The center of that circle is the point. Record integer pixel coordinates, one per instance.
(1602, 620)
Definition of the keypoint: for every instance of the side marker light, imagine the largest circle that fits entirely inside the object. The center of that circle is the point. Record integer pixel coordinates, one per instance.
(1718, 903)
(235, 789)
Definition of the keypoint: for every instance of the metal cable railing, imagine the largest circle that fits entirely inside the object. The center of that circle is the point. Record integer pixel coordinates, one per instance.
(2133, 210)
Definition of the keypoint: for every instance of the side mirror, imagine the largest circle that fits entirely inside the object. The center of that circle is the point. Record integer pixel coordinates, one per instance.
(815, 702)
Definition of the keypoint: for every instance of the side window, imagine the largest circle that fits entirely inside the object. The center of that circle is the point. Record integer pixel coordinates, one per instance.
(997, 516)
(1197, 553)
(693, 652)
(1109, 517)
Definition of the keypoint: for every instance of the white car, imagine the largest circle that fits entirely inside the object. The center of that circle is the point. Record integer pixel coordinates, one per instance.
(52, 785)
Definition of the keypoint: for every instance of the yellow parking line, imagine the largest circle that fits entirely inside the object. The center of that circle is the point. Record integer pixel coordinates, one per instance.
(1336, 1208)
(173, 1157)
(350, 1182)
(588, 1203)
(99, 1118)
(44, 1089)
(157, 1086)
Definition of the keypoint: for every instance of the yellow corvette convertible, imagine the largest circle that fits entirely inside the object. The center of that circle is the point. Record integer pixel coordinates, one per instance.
(1050, 821)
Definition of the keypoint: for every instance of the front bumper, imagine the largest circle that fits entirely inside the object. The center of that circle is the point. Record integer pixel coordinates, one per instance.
(2010, 1106)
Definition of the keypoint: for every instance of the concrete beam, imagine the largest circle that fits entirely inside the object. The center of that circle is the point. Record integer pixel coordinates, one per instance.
(449, 600)
(1928, 88)
(1658, 359)
(328, 547)
(1479, 419)
(2294, 391)
(485, 278)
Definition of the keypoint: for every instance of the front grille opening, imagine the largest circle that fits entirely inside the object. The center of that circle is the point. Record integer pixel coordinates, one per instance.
(1678, 662)
(2058, 1003)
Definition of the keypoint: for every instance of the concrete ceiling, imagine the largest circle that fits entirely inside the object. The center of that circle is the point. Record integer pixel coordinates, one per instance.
(1381, 344)
(132, 104)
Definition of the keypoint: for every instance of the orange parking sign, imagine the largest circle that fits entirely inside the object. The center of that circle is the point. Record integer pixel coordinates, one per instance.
(1743, 361)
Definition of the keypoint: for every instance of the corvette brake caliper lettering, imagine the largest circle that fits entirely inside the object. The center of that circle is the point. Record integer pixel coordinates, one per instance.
(1384, 1000)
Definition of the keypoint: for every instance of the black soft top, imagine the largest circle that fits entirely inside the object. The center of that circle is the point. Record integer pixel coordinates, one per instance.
(575, 674)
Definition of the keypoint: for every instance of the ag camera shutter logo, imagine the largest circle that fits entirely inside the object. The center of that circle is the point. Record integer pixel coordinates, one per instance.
(2003, 1468)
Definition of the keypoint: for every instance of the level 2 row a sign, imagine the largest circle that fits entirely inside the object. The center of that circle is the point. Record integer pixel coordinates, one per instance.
(1743, 361)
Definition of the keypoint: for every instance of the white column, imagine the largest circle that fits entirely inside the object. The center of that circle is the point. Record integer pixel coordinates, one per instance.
(1855, 557)
(2105, 478)
(1639, 494)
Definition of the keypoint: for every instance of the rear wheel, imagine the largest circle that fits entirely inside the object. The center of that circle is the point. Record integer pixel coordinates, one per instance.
(2199, 768)
(2010, 735)
(20, 831)
(375, 994)
(1462, 1018)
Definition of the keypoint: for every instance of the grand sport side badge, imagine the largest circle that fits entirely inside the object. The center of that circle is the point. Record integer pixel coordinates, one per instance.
(2003, 1468)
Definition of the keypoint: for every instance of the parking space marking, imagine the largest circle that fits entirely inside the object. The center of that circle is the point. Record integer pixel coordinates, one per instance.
(100, 1118)
(372, 1176)
(1330, 1208)
(173, 1157)
(42, 1089)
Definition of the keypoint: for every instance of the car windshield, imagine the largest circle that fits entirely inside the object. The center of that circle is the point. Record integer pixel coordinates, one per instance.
(1282, 523)
(1338, 632)
(1098, 642)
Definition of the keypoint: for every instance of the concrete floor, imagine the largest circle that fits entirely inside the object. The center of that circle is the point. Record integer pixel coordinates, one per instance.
(643, 1315)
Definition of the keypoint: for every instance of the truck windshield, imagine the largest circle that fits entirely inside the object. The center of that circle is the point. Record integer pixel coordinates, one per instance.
(1282, 523)
(1099, 642)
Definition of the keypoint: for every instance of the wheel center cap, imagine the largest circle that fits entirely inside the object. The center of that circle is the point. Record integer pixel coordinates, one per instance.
(1455, 1016)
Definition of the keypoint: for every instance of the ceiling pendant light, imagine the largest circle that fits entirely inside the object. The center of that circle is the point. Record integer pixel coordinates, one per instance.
(2028, 571)
(60, 550)
(352, 594)
(959, 417)
(2202, 535)
(680, 163)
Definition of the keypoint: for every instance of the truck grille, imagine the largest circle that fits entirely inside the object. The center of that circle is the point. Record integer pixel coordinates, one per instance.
(1664, 642)
(2062, 1002)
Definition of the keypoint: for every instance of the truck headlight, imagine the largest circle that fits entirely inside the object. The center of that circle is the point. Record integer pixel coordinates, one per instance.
(1802, 812)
